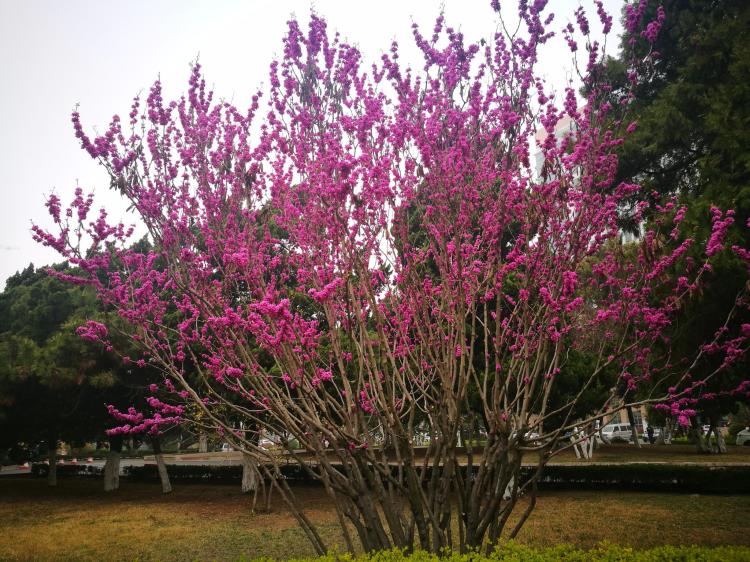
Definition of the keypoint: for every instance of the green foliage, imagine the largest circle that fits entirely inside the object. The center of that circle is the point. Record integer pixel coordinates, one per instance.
(693, 115)
(512, 552)
(575, 370)
(53, 384)
(34, 305)
(740, 420)
(693, 142)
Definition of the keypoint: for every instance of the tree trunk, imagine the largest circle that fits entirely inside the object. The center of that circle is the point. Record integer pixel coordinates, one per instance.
(161, 467)
(52, 459)
(696, 435)
(112, 464)
(633, 428)
(721, 446)
(720, 443)
(203, 443)
(249, 474)
(591, 446)
(661, 439)
(667, 430)
(508, 493)
(574, 441)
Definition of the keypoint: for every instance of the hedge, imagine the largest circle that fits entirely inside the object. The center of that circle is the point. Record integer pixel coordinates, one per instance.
(704, 479)
(648, 476)
(198, 473)
(565, 553)
(63, 470)
(652, 477)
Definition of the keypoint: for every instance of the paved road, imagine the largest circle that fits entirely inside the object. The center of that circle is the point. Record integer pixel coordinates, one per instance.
(16, 470)
(212, 459)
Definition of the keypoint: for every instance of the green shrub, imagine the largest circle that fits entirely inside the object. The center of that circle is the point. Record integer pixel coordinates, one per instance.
(65, 470)
(206, 473)
(648, 476)
(702, 479)
(187, 473)
(563, 553)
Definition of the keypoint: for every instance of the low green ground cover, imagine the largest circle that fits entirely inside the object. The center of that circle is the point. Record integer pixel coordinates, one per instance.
(563, 553)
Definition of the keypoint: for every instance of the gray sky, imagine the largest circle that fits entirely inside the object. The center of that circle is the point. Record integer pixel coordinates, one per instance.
(99, 54)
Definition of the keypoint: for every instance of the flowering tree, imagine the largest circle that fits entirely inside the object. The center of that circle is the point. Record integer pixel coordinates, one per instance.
(371, 252)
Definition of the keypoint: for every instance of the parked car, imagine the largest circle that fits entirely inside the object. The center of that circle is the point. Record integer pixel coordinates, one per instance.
(529, 438)
(617, 433)
(743, 437)
(268, 443)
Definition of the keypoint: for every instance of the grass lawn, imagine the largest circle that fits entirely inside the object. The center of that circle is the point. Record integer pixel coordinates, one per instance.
(77, 521)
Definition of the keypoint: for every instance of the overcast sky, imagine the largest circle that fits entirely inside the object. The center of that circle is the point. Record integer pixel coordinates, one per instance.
(55, 54)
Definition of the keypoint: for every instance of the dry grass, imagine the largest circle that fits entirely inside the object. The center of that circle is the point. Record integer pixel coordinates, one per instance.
(77, 521)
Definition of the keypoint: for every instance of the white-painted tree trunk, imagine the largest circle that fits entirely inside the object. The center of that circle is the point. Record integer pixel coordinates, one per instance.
(52, 458)
(665, 437)
(202, 443)
(161, 466)
(249, 474)
(696, 435)
(112, 471)
(509, 489)
(574, 439)
(633, 428)
(721, 446)
(112, 464)
(661, 439)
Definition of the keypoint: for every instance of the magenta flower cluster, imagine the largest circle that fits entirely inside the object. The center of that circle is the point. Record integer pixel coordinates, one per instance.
(365, 239)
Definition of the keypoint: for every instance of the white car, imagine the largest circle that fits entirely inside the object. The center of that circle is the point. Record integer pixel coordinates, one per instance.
(267, 443)
(743, 437)
(617, 432)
